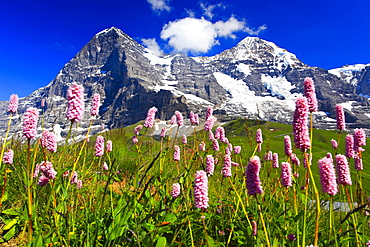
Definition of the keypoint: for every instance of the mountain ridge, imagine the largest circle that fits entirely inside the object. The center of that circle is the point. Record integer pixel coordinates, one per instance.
(130, 79)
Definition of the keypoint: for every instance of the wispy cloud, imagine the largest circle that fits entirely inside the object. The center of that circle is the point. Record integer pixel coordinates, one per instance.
(152, 45)
(159, 5)
(196, 36)
(209, 8)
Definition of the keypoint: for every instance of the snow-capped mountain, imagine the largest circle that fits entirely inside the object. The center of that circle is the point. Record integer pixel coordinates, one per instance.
(256, 79)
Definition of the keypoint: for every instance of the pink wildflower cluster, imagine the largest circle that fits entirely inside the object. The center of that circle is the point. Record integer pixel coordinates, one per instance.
(344, 176)
(201, 190)
(176, 154)
(105, 166)
(359, 138)
(47, 170)
(13, 103)
(109, 146)
(259, 138)
(194, 118)
(176, 190)
(137, 129)
(209, 112)
(286, 174)
(334, 144)
(208, 125)
(210, 164)
(268, 156)
(358, 163)
(229, 149)
(184, 139)
(252, 179)
(163, 132)
(179, 118)
(220, 134)
(226, 169)
(135, 140)
(149, 121)
(8, 157)
(295, 160)
(95, 105)
(309, 93)
(30, 123)
(341, 125)
(99, 146)
(287, 146)
(300, 124)
(327, 176)
(76, 107)
(350, 153)
(216, 146)
(275, 160)
(202, 146)
(237, 149)
(49, 141)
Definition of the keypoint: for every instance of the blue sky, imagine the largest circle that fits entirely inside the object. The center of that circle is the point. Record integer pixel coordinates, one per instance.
(38, 37)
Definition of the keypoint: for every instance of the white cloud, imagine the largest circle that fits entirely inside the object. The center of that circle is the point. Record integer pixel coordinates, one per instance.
(227, 29)
(159, 5)
(190, 35)
(152, 45)
(208, 9)
(199, 35)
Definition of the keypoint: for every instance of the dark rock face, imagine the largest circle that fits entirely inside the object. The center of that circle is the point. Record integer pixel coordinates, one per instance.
(255, 79)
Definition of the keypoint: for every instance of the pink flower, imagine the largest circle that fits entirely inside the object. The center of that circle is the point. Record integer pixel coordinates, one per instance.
(275, 160)
(79, 184)
(220, 133)
(95, 105)
(259, 138)
(350, 153)
(286, 174)
(358, 163)
(287, 146)
(99, 146)
(184, 139)
(209, 112)
(211, 136)
(135, 140)
(105, 167)
(359, 137)
(8, 157)
(163, 132)
(173, 120)
(330, 156)
(295, 160)
(252, 179)
(268, 155)
(137, 129)
(191, 117)
(202, 146)
(179, 118)
(229, 149)
(176, 189)
(13, 103)
(234, 163)
(109, 146)
(208, 125)
(43, 103)
(30, 123)
(309, 93)
(254, 228)
(48, 141)
(216, 146)
(300, 124)
(176, 154)
(201, 190)
(196, 119)
(76, 107)
(74, 178)
(149, 121)
(327, 176)
(341, 125)
(46, 167)
(210, 164)
(226, 170)
(43, 181)
(344, 176)
(334, 144)
(237, 149)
